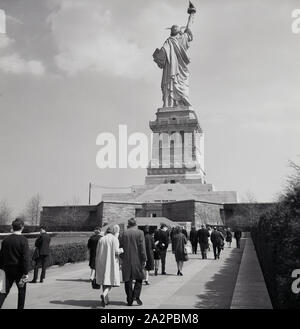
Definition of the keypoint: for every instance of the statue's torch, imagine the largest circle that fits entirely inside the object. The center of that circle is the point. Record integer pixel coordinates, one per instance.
(191, 11)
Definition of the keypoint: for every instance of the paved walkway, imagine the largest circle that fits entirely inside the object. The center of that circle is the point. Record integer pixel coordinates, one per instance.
(206, 284)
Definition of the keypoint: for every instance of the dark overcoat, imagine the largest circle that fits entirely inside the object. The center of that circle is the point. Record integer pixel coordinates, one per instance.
(150, 246)
(217, 238)
(228, 236)
(179, 242)
(92, 246)
(237, 234)
(193, 236)
(133, 243)
(43, 244)
(203, 236)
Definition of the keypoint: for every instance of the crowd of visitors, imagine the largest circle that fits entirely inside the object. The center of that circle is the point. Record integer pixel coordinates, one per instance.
(135, 252)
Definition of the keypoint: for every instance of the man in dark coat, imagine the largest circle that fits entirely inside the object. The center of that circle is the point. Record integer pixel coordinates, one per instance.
(194, 239)
(217, 239)
(150, 247)
(133, 261)
(203, 236)
(92, 247)
(42, 245)
(184, 231)
(237, 236)
(14, 261)
(161, 239)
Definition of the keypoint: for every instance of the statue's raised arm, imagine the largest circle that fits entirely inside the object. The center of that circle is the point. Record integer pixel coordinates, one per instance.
(191, 11)
(173, 59)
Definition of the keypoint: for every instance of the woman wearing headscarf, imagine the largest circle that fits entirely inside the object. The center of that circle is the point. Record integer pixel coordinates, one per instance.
(179, 242)
(107, 262)
(150, 247)
(92, 247)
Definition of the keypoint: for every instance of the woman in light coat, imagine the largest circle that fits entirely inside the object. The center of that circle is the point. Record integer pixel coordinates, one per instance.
(107, 263)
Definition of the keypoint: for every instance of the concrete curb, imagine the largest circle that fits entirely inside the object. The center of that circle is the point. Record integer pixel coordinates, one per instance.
(250, 290)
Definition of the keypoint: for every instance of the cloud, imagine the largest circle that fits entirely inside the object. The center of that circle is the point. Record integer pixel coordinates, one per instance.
(98, 37)
(12, 62)
(13, 19)
(5, 42)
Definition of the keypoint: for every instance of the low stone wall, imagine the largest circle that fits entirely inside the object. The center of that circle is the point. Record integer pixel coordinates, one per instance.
(119, 211)
(180, 211)
(70, 218)
(208, 213)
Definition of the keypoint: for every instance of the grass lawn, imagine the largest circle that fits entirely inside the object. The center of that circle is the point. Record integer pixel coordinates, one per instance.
(62, 240)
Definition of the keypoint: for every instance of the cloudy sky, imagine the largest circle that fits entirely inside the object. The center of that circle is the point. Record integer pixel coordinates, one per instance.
(71, 69)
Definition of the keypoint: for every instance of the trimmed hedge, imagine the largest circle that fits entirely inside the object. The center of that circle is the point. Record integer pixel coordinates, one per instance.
(66, 253)
(277, 241)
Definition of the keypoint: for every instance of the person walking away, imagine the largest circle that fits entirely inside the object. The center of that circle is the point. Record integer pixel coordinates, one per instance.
(133, 261)
(209, 239)
(14, 261)
(237, 236)
(150, 247)
(184, 231)
(203, 238)
(228, 237)
(156, 255)
(107, 263)
(161, 239)
(92, 247)
(42, 245)
(172, 232)
(194, 239)
(217, 242)
(179, 242)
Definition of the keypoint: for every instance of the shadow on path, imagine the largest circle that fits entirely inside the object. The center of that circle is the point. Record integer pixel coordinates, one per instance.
(86, 303)
(74, 280)
(219, 291)
(79, 303)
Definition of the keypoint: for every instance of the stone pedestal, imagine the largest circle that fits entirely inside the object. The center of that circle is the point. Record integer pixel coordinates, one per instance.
(177, 147)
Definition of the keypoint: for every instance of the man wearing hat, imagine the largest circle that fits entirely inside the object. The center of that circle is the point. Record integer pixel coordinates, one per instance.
(161, 239)
(42, 252)
(217, 239)
(133, 261)
(203, 236)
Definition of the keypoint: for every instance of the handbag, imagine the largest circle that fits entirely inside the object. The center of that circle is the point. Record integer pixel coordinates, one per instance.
(188, 249)
(186, 256)
(95, 285)
(222, 244)
(2, 282)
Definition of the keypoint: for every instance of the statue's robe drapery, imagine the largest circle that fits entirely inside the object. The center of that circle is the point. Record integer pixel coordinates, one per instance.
(173, 59)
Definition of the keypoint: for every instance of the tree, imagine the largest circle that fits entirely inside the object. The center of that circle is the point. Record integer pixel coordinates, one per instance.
(5, 213)
(70, 214)
(277, 241)
(74, 209)
(250, 208)
(33, 210)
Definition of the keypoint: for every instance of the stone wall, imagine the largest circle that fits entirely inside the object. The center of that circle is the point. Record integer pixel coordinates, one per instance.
(208, 213)
(70, 218)
(150, 210)
(118, 211)
(244, 215)
(180, 211)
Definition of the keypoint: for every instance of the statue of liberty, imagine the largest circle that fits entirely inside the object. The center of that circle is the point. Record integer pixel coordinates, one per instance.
(173, 59)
